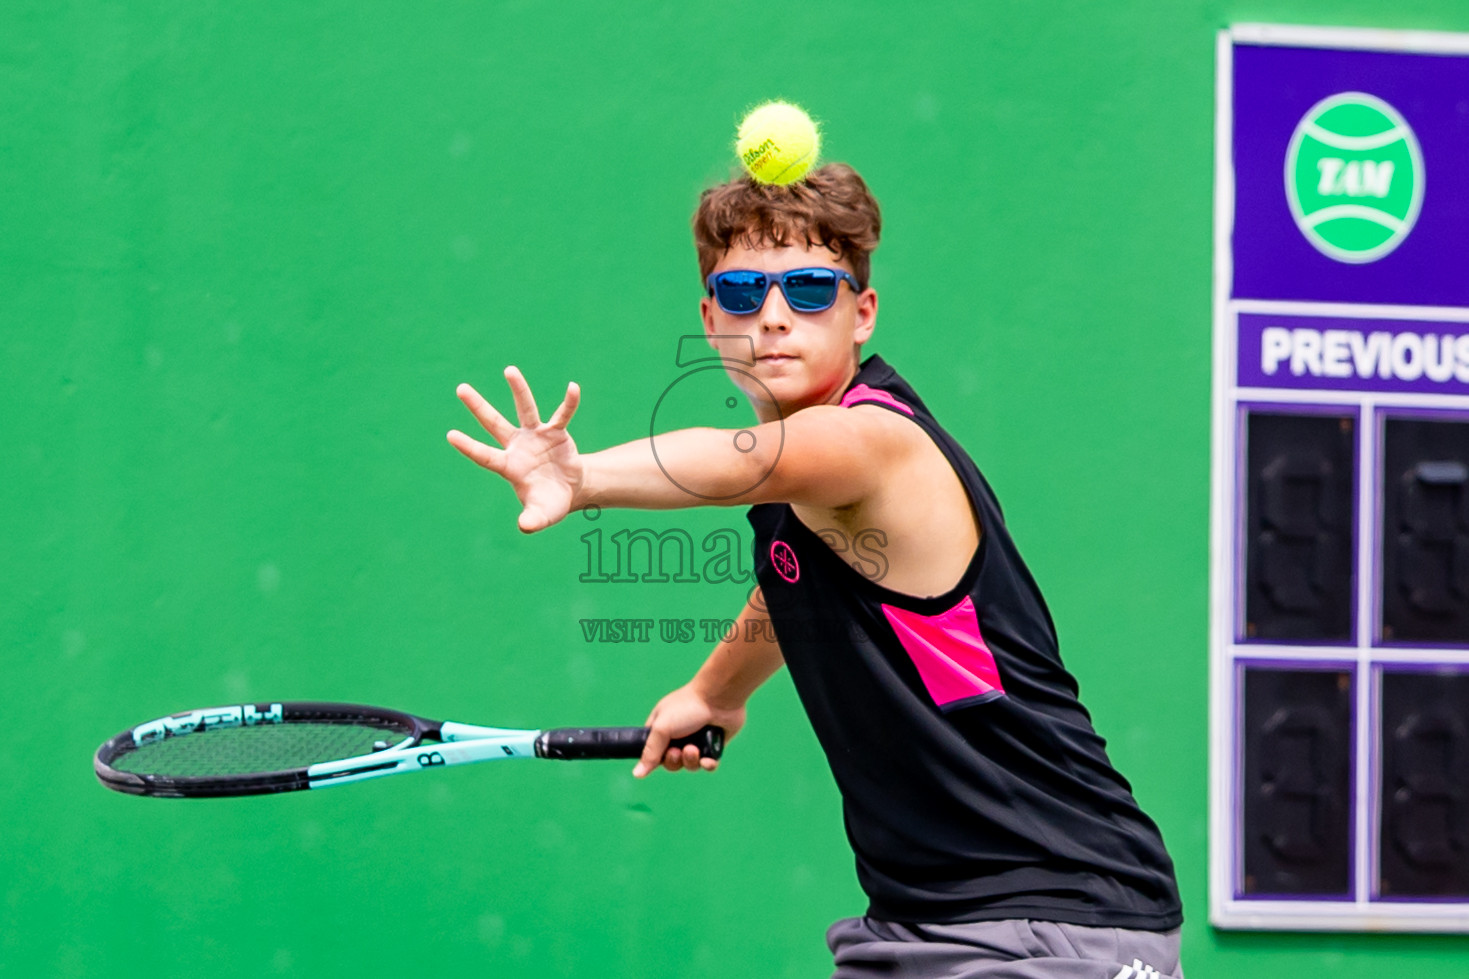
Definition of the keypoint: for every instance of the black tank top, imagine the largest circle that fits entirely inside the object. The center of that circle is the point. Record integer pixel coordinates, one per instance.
(973, 785)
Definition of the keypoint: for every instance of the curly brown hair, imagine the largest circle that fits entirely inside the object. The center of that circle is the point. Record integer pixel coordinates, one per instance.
(831, 206)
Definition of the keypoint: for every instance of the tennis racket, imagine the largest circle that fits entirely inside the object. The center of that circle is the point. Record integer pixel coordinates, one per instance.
(258, 749)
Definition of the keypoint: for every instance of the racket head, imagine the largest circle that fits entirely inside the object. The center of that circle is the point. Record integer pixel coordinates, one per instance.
(250, 749)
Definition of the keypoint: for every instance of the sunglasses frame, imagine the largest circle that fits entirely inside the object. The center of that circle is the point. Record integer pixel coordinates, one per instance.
(779, 278)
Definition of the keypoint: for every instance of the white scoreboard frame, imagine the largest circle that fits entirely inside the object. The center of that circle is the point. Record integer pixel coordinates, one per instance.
(1227, 908)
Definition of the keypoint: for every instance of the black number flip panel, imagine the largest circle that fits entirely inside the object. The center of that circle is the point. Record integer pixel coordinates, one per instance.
(1299, 539)
(1297, 782)
(1424, 787)
(1425, 547)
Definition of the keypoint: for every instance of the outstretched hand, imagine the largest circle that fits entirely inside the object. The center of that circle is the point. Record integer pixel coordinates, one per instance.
(538, 459)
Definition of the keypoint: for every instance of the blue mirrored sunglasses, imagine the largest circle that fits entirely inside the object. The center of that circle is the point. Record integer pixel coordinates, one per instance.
(741, 291)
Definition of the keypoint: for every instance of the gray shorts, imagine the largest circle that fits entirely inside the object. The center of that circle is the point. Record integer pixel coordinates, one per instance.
(865, 948)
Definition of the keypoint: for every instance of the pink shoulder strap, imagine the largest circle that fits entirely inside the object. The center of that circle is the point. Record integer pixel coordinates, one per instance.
(862, 393)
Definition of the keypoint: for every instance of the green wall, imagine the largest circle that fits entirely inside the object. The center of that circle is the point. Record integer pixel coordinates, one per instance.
(249, 249)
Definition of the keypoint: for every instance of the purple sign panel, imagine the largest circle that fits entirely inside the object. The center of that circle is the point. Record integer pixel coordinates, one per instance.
(1324, 353)
(1351, 176)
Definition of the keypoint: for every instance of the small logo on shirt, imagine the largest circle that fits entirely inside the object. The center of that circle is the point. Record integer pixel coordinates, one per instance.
(1137, 971)
(784, 561)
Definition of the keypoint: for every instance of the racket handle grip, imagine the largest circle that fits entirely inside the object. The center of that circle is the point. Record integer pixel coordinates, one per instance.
(575, 743)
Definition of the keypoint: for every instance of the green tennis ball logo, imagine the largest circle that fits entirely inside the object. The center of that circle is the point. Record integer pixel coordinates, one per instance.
(1354, 177)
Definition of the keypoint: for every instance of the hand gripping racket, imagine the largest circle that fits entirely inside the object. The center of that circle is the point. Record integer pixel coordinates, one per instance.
(257, 749)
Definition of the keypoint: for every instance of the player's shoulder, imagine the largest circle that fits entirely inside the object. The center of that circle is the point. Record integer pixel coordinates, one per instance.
(878, 418)
(870, 425)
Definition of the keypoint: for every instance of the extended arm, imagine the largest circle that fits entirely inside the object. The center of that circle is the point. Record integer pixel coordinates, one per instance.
(821, 456)
(716, 695)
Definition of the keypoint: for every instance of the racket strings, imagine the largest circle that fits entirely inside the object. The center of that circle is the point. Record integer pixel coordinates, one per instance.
(264, 748)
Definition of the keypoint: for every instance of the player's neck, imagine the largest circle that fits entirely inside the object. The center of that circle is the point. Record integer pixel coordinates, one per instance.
(767, 411)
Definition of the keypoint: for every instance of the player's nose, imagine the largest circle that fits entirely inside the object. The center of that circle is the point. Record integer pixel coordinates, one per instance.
(775, 315)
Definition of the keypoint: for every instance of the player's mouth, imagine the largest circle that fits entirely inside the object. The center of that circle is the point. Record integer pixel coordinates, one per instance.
(775, 358)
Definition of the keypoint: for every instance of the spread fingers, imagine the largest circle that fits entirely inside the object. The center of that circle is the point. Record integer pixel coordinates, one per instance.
(495, 423)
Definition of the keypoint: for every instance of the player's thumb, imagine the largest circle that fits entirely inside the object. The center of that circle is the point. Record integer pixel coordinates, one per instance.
(652, 755)
(532, 520)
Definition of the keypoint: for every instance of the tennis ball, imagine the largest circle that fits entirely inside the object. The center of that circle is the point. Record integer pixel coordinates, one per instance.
(777, 143)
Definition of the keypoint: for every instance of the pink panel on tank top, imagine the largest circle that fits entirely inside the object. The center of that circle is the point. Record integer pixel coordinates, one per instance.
(948, 650)
(864, 393)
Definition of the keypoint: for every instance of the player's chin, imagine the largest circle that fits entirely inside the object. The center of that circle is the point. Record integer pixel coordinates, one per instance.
(788, 385)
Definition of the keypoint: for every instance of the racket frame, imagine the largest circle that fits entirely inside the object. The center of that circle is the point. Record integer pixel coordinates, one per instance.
(425, 744)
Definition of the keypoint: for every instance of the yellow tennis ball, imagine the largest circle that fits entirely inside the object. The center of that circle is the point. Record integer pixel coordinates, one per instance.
(778, 143)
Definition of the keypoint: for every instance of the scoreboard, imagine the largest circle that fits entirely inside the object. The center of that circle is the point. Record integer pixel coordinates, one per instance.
(1339, 597)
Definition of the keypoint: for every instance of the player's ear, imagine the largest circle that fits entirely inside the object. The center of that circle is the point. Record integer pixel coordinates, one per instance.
(706, 313)
(866, 315)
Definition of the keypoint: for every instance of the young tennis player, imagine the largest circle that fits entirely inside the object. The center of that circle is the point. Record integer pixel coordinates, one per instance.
(993, 837)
